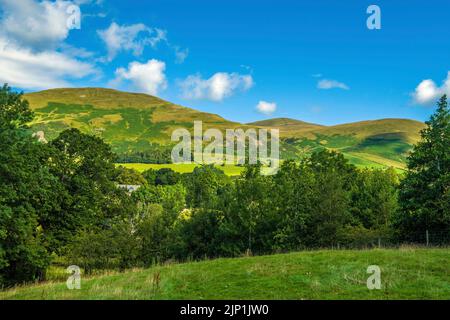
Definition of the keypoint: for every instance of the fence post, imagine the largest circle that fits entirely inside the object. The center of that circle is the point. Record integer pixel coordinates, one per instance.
(379, 242)
(427, 236)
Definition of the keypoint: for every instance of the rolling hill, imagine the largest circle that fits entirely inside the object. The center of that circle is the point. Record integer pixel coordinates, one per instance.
(134, 122)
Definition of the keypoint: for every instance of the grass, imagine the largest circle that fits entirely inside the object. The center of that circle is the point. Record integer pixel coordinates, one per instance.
(229, 170)
(406, 273)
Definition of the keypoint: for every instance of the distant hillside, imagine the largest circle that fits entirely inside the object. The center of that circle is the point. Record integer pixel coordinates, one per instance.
(129, 121)
(134, 122)
(376, 143)
(288, 127)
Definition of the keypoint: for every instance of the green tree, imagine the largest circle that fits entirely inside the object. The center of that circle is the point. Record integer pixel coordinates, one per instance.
(204, 186)
(425, 195)
(129, 177)
(14, 110)
(375, 199)
(85, 166)
(28, 191)
(163, 177)
(330, 205)
(293, 195)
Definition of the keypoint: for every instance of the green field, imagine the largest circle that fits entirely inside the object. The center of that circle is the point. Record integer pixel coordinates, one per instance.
(229, 170)
(406, 273)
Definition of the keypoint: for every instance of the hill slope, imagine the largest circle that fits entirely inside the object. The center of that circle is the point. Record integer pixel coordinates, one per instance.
(368, 143)
(129, 121)
(133, 122)
(326, 274)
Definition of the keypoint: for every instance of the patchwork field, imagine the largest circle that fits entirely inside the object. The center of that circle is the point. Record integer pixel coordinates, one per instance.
(406, 273)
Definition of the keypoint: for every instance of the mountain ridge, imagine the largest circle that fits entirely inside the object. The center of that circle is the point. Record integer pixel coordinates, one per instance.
(133, 122)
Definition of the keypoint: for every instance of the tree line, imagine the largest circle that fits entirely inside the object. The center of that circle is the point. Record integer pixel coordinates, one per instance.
(60, 199)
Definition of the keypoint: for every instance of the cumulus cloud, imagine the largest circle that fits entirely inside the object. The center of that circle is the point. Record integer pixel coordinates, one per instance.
(33, 54)
(220, 86)
(266, 108)
(331, 84)
(145, 77)
(427, 91)
(24, 68)
(36, 25)
(132, 38)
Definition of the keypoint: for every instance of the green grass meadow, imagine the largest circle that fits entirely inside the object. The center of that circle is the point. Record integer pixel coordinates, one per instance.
(406, 273)
(230, 170)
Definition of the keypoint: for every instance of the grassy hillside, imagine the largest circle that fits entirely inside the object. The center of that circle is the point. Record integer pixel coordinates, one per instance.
(129, 121)
(133, 122)
(376, 143)
(405, 274)
(288, 127)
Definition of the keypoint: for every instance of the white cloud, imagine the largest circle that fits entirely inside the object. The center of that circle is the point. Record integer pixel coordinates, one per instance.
(36, 25)
(427, 91)
(220, 86)
(33, 54)
(180, 55)
(130, 38)
(266, 108)
(331, 84)
(146, 77)
(26, 69)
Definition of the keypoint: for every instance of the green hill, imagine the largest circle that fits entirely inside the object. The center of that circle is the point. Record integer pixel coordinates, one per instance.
(129, 121)
(406, 273)
(384, 142)
(133, 122)
(288, 127)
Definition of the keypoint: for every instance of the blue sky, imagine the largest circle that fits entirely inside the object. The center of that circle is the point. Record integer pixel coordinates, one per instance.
(311, 60)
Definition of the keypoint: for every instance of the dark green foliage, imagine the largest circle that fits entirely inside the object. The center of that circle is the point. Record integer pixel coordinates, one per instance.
(14, 111)
(27, 191)
(425, 191)
(153, 154)
(204, 186)
(161, 177)
(52, 191)
(84, 165)
(129, 177)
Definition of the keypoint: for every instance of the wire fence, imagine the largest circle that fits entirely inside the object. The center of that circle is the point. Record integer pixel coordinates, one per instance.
(426, 238)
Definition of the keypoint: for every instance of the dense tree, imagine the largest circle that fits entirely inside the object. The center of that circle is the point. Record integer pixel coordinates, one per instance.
(85, 167)
(425, 195)
(163, 177)
(204, 186)
(28, 190)
(14, 110)
(375, 199)
(293, 193)
(129, 177)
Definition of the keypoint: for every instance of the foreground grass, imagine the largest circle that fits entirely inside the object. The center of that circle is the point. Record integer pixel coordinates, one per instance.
(405, 274)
